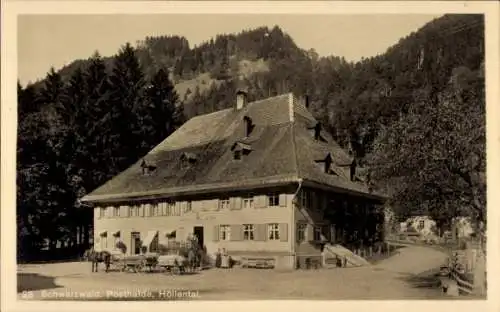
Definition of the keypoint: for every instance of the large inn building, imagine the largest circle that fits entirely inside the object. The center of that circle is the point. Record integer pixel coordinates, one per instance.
(258, 179)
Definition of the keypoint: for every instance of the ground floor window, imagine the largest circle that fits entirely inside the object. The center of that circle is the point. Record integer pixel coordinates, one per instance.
(248, 232)
(225, 232)
(117, 239)
(104, 241)
(301, 232)
(273, 231)
(317, 233)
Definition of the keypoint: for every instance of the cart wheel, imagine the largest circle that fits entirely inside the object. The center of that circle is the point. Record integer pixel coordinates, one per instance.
(176, 270)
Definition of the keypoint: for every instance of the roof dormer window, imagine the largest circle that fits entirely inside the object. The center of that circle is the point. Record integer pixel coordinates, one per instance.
(353, 170)
(147, 168)
(188, 159)
(249, 126)
(240, 149)
(317, 132)
(327, 164)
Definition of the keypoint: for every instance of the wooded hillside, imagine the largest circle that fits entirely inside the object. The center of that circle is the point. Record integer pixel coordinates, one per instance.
(414, 115)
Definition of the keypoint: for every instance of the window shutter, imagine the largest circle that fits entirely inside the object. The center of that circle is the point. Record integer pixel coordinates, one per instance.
(147, 208)
(235, 203)
(260, 232)
(124, 211)
(236, 232)
(141, 211)
(238, 203)
(283, 232)
(178, 208)
(215, 204)
(260, 201)
(179, 234)
(283, 198)
(310, 232)
(216, 233)
(232, 203)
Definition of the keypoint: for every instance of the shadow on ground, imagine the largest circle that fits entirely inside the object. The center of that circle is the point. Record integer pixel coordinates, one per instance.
(428, 279)
(33, 282)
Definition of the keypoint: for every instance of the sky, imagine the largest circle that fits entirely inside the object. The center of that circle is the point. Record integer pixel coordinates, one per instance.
(56, 40)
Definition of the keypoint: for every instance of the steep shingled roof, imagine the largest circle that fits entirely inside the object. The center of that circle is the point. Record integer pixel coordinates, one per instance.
(282, 150)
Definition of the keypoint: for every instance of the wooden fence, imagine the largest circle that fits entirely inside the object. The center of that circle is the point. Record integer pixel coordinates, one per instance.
(462, 266)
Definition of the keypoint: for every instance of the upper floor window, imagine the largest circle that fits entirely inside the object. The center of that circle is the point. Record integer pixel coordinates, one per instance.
(116, 211)
(273, 200)
(306, 199)
(171, 209)
(102, 212)
(248, 202)
(154, 210)
(134, 210)
(421, 224)
(188, 207)
(224, 203)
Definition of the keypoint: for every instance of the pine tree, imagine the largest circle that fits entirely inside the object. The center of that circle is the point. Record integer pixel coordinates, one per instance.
(126, 114)
(158, 115)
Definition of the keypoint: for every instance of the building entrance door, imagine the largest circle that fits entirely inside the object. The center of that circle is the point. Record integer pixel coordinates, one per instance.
(198, 231)
(136, 243)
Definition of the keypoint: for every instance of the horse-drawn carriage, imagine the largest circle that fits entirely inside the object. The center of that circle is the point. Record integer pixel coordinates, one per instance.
(173, 263)
(176, 258)
(137, 263)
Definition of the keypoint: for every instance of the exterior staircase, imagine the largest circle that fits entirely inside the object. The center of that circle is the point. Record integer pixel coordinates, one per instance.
(333, 252)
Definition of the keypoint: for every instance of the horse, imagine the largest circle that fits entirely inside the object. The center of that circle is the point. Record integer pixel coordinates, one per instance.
(97, 257)
(192, 259)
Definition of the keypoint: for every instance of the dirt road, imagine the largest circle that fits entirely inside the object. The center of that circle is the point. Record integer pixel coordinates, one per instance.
(399, 277)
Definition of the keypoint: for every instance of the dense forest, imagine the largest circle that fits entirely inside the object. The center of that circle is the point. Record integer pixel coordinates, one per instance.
(413, 116)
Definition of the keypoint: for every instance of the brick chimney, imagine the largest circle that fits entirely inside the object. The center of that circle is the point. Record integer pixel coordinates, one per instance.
(241, 99)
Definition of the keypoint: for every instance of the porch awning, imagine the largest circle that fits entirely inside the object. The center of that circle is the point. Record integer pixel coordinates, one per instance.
(149, 238)
(169, 233)
(103, 233)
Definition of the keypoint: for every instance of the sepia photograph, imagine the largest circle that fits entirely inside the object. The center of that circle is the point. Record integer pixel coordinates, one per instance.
(240, 156)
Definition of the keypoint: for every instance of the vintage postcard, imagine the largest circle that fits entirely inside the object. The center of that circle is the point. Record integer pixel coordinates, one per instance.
(322, 152)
